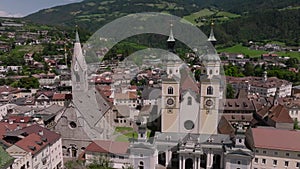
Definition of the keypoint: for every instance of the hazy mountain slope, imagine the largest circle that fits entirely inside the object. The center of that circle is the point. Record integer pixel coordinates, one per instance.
(260, 19)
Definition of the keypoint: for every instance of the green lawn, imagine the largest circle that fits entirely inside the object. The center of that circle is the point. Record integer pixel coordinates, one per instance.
(125, 137)
(242, 49)
(207, 13)
(256, 53)
(123, 129)
(204, 12)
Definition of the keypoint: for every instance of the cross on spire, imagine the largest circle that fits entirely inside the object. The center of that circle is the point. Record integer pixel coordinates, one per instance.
(212, 38)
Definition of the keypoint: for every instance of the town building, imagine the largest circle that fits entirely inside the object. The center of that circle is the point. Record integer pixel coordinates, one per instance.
(271, 150)
(264, 86)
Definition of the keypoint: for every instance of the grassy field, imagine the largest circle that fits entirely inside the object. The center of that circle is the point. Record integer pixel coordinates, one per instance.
(125, 133)
(123, 129)
(256, 53)
(202, 13)
(209, 14)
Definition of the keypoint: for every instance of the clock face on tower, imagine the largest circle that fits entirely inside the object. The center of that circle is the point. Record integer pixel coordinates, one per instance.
(170, 101)
(209, 103)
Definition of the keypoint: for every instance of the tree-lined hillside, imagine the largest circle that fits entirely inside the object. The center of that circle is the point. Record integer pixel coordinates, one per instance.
(237, 20)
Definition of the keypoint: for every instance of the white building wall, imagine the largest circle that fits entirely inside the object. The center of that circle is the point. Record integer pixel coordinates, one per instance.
(264, 158)
(42, 159)
(189, 112)
(56, 155)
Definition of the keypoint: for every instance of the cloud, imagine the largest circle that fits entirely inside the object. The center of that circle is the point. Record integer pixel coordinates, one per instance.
(6, 14)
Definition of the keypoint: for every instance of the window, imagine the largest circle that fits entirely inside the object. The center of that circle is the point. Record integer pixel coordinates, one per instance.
(141, 165)
(170, 90)
(275, 153)
(287, 154)
(256, 160)
(189, 101)
(238, 162)
(274, 162)
(210, 90)
(286, 163)
(263, 161)
(264, 152)
(298, 165)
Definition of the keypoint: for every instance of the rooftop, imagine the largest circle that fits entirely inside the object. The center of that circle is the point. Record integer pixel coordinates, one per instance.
(103, 146)
(277, 139)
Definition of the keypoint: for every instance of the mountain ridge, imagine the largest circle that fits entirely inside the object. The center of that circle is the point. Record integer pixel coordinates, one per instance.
(93, 14)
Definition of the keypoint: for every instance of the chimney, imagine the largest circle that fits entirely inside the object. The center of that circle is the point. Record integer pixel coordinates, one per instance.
(41, 133)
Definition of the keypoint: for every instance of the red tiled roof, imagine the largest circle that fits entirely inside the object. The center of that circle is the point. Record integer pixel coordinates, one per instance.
(280, 114)
(279, 139)
(5, 127)
(8, 89)
(61, 96)
(51, 136)
(32, 143)
(103, 146)
(46, 93)
(19, 119)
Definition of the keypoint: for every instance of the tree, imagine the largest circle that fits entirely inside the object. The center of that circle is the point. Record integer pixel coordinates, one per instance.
(296, 125)
(229, 92)
(74, 165)
(249, 69)
(128, 167)
(100, 162)
(232, 70)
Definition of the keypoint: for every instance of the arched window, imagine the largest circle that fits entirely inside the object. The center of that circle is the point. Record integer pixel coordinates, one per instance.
(210, 90)
(189, 101)
(141, 165)
(170, 90)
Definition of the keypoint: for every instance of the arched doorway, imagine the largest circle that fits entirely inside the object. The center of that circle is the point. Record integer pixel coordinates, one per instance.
(217, 161)
(175, 160)
(162, 158)
(203, 159)
(189, 163)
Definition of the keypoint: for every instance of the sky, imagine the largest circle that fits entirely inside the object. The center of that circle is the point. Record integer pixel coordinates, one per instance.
(20, 8)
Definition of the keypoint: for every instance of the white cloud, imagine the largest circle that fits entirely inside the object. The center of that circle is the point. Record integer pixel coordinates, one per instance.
(6, 14)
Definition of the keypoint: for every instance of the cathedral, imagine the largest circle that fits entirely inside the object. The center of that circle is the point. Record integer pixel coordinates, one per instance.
(188, 136)
(87, 117)
(188, 119)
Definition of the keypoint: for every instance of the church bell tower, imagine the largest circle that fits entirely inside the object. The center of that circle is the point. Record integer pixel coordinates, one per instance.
(79, 68)
(210, 94)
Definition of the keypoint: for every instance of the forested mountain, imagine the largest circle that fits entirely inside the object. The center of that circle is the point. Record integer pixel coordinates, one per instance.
(259, 19)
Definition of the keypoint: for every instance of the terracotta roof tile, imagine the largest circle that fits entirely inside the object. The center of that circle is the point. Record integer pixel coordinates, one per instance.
(278, 139)
(32, 143)
(103, 146)
(51, 136)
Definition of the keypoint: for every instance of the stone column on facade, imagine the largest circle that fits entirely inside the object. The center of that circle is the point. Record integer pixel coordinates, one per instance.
(183, 166)
(167, 158)
(180, 162)
(70, 151)
(209, 161)
(199, 162)
(195, 163)
(222, 161)
(170, 158)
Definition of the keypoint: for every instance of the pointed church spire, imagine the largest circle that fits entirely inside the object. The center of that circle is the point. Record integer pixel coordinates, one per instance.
(171, 40)
(212, 38)
(171, 36)
(77, 35)
(79, 67)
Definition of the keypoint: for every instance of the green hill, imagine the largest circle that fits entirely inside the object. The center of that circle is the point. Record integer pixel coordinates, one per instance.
(237, 20)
